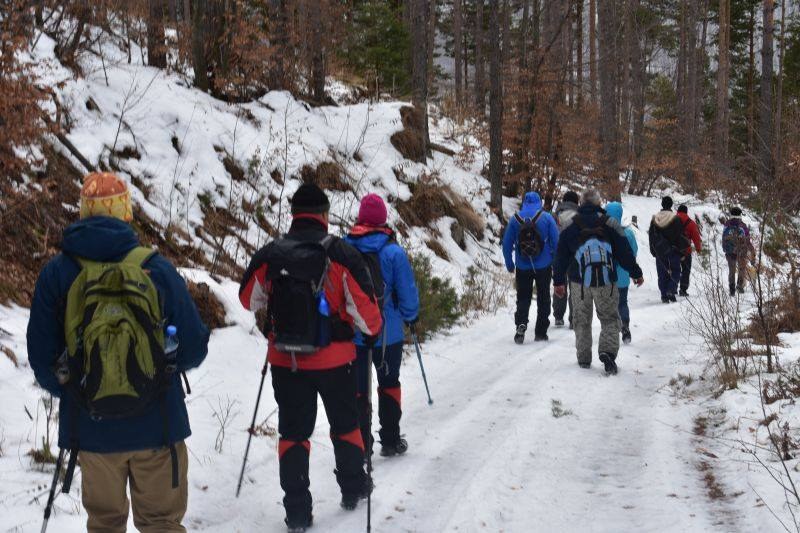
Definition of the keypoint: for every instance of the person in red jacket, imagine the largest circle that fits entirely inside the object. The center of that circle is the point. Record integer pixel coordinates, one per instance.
(345, 297)
(692, 233)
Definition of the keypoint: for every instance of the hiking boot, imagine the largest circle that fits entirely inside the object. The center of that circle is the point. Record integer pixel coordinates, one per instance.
(672, 299)
(683, 293)
(350, 501)
(665, 299)
(741, 290)
(541, 338)
(300, 524)
(584, 365)
(626, 335)
(519, 337)
(608, 361)
(559, 322)
(395, 448)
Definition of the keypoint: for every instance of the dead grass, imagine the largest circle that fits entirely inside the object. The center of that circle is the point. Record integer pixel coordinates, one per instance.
(432, 201)
(10, 354)
(410, 141)
(713, 489)
(437, 248)
(328, 175)
(212, 312)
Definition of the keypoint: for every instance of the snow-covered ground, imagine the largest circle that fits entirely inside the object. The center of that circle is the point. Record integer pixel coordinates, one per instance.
(489, 455)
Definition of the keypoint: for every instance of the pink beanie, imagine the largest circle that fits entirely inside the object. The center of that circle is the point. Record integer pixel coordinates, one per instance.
(372, 211)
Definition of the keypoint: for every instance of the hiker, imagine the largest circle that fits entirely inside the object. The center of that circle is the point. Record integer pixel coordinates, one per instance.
(528, 247)
(614, 211)
(134, 437)
(588, 252)
(667, 244)
(316, 290)
(738, 248)
(399, 299)
(692, 234)
(564, 213)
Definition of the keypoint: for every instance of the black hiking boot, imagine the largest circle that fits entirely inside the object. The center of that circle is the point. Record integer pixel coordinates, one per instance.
(350, 501)
(395, 448)
(683, 293)
(300, 524)
(584, 365)
(541, 338)
(626, 335)
(672, 299)
(559, 322)
(519, 337)
(608, 361)
(665, 299)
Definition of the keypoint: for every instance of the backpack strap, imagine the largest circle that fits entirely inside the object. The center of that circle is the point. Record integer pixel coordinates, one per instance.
(519, 218)
(538, 215)
(139, 256)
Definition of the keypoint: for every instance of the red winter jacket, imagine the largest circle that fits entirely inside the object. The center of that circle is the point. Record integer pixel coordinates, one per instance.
(348, 290)
(691, 230)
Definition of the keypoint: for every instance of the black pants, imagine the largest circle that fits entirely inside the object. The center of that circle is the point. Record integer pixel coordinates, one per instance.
(560, 305)
(296, 394)
(525, 281)
(389, 392)
(686, 272)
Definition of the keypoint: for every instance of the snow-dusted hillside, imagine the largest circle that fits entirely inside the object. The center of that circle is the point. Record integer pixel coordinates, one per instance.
(190, 156)
(495, 452)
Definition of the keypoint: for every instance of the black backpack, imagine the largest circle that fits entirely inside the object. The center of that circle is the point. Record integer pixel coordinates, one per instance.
(529, 242)
(659, 244)
(373, 262)
(298, 311)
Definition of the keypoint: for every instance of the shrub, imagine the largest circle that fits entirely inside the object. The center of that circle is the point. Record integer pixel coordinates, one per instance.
(432, 201)
(439, 302)
(485, 290)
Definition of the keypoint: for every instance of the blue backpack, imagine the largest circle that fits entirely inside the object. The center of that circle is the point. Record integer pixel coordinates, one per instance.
(734, 239)
(594, 255)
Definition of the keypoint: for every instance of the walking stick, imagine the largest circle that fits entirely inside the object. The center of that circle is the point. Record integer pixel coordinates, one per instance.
(421, 366)
(368, 445)
(252, 429)
(49, 507)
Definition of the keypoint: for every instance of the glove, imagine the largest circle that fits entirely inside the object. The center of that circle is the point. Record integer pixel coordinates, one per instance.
(560, 291)
(510, 269)
(639, 282)
(411, 324)
(371, 340)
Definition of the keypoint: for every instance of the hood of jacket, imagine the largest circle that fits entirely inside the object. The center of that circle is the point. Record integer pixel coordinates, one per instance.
(369, 239)
(531, 204)
(99, 239)
(663, 218)
(614, 210)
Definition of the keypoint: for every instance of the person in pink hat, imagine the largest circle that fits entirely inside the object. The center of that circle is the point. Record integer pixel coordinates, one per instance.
(399, 300)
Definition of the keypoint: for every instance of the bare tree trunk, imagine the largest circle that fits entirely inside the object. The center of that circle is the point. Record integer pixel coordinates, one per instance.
(593, 50)
(691, 104)
(187, 10)
(419, 64)
(537, 24)
(199, 61)
(765, 141)
(480, 90)
(569, 50)
(458, 37)
(506, 32)
(83, 13)
(751, 85)
(638, 75)
(579, 50)
(39, 13)
(156, 39)
(431, 36)
(523, 36)
(607, 24)
(779, 95)
(723, 76)
(495, 110)
(317, 51)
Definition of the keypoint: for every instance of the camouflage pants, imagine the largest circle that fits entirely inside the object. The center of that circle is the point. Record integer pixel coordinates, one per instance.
(606, 301)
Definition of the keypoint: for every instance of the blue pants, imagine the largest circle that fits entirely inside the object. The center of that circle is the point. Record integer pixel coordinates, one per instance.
(669, 273)
(624, 312)
(389, 392)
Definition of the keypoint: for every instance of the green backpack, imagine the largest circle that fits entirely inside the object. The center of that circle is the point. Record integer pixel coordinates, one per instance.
(114, 331)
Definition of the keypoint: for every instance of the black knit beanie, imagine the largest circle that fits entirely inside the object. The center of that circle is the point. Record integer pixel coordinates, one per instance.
(667, 203)
(736, 211)
(310, 199)
(571, 196)
(683, 209)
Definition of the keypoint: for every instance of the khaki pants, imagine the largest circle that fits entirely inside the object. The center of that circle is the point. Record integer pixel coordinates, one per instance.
(157, 507)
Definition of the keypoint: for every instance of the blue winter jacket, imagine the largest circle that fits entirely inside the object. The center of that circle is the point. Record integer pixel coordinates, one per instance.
(401, 299)
(614, 210)
(548, 229)
(108, 239)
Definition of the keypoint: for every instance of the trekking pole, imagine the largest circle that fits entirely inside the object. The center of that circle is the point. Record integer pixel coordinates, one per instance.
(49, 507)
(421, 366)
(368, 445)
(252, 429)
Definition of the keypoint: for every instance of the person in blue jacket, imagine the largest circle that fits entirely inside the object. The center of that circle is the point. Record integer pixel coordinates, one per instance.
(530, 270)
(614, 210)
(114, 452)
(372, 237)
